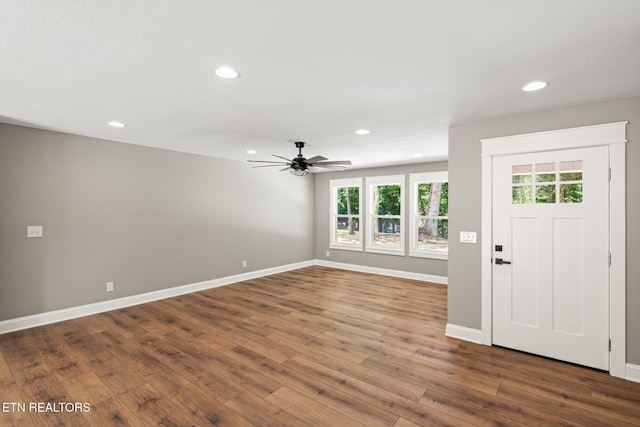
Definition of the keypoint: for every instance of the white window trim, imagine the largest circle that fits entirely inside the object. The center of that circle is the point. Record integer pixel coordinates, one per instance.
(334, 184)
(414, 180)
(609, 134)
(377, 181)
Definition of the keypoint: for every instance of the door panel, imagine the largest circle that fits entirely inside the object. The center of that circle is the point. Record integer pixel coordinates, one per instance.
(568, 279)
(524, 297)
(551, 218)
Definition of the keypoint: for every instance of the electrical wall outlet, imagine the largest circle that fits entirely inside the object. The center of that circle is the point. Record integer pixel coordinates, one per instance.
(468, 236)
(109, 286)
(328, 254)
(34, 231)
(244, 264)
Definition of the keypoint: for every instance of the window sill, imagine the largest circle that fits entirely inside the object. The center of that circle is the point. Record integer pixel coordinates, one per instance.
(431, 255)
(377, 250)
(354, 248)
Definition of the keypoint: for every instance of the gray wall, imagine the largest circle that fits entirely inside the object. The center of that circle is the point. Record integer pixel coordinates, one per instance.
(465, 198)
(392, 262)
(144, 218)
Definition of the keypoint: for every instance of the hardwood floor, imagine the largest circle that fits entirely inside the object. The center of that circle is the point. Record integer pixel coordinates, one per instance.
(310, 347)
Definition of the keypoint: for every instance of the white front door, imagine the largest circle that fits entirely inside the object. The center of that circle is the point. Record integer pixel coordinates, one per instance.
(551, 254)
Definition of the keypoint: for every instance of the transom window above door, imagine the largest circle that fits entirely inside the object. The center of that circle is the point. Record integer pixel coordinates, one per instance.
(540, 183)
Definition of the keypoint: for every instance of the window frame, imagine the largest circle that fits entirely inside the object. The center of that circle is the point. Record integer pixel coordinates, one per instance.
(414, 180)
(371, 215)
(334, 185)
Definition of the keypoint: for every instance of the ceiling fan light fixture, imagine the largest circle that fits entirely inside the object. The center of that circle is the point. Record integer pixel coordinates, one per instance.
(227, 73)
(533, 86)
(299, 172)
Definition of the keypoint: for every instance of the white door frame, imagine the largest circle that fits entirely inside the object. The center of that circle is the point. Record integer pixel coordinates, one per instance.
(612, 135)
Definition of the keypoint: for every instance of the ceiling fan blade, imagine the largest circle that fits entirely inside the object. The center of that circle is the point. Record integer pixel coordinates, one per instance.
(267, 166)
(333, 163)
(269, 161)
(280, 157)
(316, 159)
(285, 169)
(314, 169)
(337, 167)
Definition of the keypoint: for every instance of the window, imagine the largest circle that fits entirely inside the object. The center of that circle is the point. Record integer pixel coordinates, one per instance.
(571, 182)
(372, 216)
(429, 228)
(385, 199)
(345, 214)
(521, 184)
(566, 177)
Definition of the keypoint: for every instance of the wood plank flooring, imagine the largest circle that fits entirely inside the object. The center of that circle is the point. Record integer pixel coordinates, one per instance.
(311, 347)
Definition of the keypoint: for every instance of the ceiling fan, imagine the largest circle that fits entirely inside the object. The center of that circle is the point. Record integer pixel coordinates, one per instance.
(300, 166)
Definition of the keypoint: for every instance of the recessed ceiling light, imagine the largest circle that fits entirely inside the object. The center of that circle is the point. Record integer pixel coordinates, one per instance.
(251, 151)
(363, 132)
(530, 87)
(116, 124)
(227, 73)
(418, 155)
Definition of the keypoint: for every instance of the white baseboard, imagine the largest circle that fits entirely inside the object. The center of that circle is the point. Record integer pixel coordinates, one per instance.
(464, 333)
(633, 372)
(442, 280)
(114, 304)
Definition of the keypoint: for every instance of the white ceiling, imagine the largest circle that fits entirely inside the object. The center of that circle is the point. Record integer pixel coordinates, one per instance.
(314, 71)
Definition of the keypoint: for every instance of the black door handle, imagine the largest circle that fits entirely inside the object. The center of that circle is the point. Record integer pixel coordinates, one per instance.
(500, 261)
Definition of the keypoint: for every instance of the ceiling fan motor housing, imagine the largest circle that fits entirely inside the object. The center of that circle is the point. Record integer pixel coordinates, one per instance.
(299, 164)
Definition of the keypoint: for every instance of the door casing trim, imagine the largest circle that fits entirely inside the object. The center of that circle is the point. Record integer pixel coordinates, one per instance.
(612, 135)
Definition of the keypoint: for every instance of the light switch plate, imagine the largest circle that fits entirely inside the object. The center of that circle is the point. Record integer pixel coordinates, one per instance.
(34, 231)
(468, 236)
